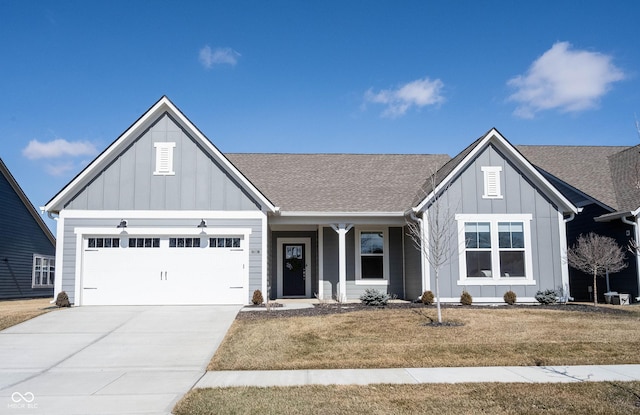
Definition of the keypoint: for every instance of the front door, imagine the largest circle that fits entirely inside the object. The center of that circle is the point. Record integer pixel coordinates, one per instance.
(293, 270)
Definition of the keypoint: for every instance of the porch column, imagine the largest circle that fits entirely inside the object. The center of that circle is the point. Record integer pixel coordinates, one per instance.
(342, 230)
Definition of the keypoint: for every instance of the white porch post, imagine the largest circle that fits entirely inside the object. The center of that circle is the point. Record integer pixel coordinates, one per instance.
(342, 230)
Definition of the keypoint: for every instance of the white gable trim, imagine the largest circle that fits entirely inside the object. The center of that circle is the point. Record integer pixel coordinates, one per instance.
(496, 138)
(159, 108)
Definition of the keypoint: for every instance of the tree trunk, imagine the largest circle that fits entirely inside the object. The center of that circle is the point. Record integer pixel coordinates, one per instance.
(438, 296)
(595, 289)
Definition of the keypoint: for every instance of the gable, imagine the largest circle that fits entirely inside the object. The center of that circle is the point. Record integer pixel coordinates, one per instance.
(497, 150)
(20, 214)
(163, 169)
(161, 162)
(516, 193)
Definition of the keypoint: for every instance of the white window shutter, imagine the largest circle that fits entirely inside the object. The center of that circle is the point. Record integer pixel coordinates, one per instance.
(492, 188)
(164, 158)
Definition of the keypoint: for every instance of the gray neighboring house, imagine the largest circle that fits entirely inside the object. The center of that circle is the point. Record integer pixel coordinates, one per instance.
(27, 249)
(604, 182)
(163, 217)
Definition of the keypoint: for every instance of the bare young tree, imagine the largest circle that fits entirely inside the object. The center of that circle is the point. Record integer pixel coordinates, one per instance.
(596, 254)
(434, 238)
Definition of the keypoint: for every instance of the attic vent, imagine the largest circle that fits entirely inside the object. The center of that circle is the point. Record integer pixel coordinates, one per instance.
(164, 159)
(492, 182)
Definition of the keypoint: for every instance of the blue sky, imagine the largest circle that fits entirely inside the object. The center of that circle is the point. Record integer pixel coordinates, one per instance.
(313, 76)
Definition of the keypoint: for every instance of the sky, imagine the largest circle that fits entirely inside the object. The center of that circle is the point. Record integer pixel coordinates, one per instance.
(326, 76)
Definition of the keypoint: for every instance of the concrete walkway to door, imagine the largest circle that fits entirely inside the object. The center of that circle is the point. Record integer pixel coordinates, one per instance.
(108, 360)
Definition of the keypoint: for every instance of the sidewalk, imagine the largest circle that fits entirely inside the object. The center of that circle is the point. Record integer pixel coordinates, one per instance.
(508, 374)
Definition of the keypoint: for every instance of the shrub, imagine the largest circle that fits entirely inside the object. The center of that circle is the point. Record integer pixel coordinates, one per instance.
(374, 297)
(427, 298)
(63, 300)
(257, 298)
(510, 297)
(547, 296)
(466, 298)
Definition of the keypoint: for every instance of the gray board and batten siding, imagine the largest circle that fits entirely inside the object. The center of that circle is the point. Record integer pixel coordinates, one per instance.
(353, 290)
(520, 196)
(68, 271)
(200, 183)
(128, 183)
(23, 236)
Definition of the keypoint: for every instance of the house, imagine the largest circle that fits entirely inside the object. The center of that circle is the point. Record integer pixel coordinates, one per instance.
(27, 250)
(604, 182)
(163, 217)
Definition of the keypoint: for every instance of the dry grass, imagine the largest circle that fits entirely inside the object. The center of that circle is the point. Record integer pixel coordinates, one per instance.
(398, 338)
(13, 312)
(489, 398)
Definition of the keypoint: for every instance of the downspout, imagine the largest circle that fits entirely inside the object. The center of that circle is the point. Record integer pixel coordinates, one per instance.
(636, 238)
(58, 260)
(565, 268)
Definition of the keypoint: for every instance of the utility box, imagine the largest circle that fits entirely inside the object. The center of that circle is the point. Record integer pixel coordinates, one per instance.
(621, 299)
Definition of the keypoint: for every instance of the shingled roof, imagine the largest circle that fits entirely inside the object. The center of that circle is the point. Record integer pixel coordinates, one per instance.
(339, 182)
(625, 174)
(395, 182)
(586, 168)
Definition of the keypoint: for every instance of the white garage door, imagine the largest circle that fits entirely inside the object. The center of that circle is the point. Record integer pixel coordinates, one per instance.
(157, 270)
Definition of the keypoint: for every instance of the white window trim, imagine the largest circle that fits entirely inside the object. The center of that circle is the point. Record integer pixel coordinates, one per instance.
(495, 279)
(492, 172)
(164, 149)
(33, 271)
(385, 256)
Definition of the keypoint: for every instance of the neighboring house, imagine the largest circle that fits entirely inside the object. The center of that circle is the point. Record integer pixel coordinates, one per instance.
(604, 182)
(27, 248)
(163, 217)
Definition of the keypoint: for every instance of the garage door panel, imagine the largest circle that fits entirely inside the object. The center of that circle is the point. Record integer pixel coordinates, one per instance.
(164, 275)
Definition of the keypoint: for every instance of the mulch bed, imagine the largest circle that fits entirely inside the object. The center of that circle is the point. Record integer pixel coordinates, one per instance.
(334, 308)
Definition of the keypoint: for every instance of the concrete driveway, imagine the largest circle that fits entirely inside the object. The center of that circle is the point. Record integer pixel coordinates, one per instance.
(108, 360)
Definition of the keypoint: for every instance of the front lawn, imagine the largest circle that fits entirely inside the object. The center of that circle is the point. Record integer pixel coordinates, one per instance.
(13, 312)
(383, 338)
(488, 398)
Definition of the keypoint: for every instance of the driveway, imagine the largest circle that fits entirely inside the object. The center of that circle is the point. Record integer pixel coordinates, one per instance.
(108, 360)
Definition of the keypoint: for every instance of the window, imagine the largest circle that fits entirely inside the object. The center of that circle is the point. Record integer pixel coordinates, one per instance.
(164, 159)
(224, 242)
(184, 242)
(144, 242)
(372, 262)
(492, 188)
(44, 268)
(497, 249)
(103, 242)
(511, 249)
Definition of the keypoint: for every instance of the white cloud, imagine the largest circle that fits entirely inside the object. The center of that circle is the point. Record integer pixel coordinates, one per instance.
(418, 93)
(565, 79)
(209, 58)
(58, 148)
(59, 169)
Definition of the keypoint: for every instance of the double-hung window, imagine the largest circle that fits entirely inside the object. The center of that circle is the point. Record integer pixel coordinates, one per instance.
(495, 249)
(372, 262)
(44, 268)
